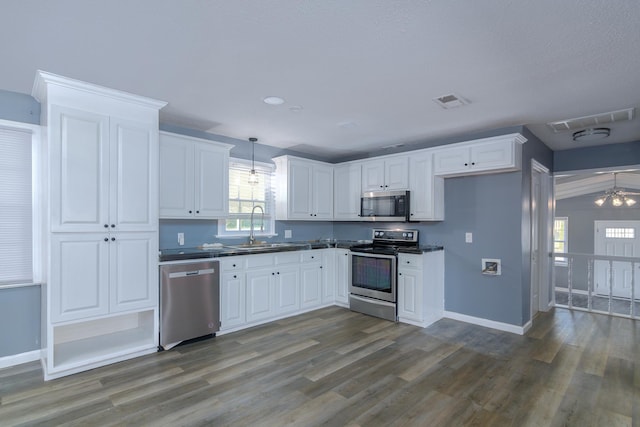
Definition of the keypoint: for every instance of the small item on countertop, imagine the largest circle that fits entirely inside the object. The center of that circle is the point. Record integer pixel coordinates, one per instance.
(210, 246)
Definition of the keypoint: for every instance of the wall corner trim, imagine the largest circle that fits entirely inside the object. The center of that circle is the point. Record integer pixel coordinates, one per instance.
(506, 327)
(18, 359)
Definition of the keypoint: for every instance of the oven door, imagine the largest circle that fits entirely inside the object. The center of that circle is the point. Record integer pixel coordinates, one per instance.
(373, 275)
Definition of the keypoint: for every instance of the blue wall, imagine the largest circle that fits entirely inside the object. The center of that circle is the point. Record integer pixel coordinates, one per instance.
(602, 156)
(19, 107)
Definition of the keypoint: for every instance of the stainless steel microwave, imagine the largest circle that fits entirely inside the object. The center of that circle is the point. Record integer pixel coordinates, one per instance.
(385, 206)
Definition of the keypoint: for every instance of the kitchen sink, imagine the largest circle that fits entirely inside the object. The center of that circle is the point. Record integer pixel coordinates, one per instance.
(262, 246)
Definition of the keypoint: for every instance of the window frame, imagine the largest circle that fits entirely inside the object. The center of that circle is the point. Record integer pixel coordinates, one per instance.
(269, 217)
(561, 261)
(38, 200)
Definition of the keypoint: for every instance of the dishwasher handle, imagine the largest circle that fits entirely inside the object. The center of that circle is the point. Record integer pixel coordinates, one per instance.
(202, 272)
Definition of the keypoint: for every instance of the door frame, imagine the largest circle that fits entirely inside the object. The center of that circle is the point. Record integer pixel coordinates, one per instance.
(598, 265)
(545, 214)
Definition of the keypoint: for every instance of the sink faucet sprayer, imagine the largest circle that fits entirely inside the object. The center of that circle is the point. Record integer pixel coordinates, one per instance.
(252, 237)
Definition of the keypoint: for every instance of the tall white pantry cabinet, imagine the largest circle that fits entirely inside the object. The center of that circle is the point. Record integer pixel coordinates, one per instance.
(100, 299)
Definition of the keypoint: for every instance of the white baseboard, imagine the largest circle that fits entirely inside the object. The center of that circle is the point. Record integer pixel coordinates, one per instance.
(18, 359)
(507, 327)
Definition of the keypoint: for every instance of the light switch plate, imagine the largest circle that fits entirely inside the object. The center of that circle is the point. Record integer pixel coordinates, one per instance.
(181, 239)
(468, 237)
(287, 234)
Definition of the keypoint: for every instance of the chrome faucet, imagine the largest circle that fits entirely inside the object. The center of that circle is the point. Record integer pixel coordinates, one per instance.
(252, 237)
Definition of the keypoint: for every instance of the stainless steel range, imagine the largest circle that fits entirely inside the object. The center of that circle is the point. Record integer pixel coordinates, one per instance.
(373, 272)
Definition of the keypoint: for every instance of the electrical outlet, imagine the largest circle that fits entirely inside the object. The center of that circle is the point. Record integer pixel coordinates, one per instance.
(181, 239)
(468, 237)
(287, 234)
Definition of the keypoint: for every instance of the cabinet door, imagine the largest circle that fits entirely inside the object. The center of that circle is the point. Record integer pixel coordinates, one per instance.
(347, 189)
(134, 176)
(409, 295)
(260, 299)
(451, 160)
(211, 182)
(79, 282)
(79, 170)
(396, 174)
(311, 286)
(176, 177)
(342, 276)
(232, 300)
(373, 175)
(133, 270)
(287, 286)
(299, 183)
(328, 276)
(492, 155)
(427, 190)
(322, 192)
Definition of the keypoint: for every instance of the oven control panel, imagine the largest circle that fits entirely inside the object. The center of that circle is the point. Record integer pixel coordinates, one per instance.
(408, 236)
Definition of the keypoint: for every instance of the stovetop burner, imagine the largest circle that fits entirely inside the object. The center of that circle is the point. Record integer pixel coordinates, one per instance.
(388, 242)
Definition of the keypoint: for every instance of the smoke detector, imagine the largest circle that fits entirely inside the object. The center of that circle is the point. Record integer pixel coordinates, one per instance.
(450, 101)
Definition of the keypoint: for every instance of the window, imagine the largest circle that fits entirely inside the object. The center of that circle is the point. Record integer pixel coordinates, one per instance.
(619, 233)
(244, 196)
(17, 202)
(561, 238)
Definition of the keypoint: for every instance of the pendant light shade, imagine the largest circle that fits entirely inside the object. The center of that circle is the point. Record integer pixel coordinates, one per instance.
(253, 177)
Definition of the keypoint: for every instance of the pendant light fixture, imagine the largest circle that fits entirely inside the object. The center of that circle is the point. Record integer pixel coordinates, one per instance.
(617, 196)
(253, 177)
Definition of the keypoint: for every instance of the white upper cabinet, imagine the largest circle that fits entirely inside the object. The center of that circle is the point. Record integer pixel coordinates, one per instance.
(305, 189)
(489, 155)
(391, 173)
(347, 189)
(194, 177)
(104, 172)
(427, 190)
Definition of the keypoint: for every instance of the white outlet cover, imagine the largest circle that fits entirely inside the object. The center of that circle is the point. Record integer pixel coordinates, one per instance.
(287, 234)
(468, 237)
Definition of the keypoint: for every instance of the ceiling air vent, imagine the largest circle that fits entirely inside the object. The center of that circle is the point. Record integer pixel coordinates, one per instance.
(450, 101)
(597, 120)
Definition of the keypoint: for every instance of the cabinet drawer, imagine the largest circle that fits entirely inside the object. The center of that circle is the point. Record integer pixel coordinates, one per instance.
(231, 264)
(257, 261)
(311, 256)
(409, 261)
(287, 258)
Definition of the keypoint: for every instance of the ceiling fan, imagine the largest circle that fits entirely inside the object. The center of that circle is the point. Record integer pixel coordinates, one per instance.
(618, 196)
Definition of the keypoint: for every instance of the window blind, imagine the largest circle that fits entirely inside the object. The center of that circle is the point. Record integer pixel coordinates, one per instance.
(16, 233)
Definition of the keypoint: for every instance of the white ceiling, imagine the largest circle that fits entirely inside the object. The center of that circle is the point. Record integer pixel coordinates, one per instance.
(364, 71)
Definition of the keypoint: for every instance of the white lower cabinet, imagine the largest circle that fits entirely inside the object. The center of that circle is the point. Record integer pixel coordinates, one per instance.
(260, 295)
(328, 276)
(421, 288)
(232, 300)
(342, 277)
(287, 288)
(311, 279)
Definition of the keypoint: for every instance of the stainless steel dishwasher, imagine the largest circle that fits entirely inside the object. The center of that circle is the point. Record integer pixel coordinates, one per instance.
(189, 301)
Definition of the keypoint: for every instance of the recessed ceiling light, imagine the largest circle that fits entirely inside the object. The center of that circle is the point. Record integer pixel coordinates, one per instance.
(295, 108)
(347, 124)
(273, 100)
(450, 101)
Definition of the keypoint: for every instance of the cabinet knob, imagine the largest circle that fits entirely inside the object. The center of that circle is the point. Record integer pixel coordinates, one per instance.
(382, 186)
(197, 211)
(278, 272)
(411, 214)
(320, 266)
(106, 239)
(235, 277)
(273, 274)
(190, 211)
(399, 274)
(466, 164)
(106, 226)
(113, 226)
(312, 257)
(473, 163)
(113, 239)
(234, 265)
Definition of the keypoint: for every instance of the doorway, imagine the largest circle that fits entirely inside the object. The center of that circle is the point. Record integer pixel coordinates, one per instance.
(621, 239)
(541, 228)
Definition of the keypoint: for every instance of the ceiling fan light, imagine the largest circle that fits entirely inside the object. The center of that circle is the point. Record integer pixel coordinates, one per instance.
(629, 201)
(600, 201)
(616, 201)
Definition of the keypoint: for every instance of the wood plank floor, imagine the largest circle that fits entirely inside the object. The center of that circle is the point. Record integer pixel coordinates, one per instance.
(338, 368)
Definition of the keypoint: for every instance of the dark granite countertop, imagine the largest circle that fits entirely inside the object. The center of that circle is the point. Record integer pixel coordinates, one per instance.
(420, 249)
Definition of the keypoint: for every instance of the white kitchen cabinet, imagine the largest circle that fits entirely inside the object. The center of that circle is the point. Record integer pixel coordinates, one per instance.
(347, 189)
(342, 277)
(232, 300)
(304, 189)
(391, 173)
(488, 155)
(427, 190)
(194, 177)
(103, 172)
(260, 294)
(421, 288)
(100, 300)
(311, 279)
(328, 276)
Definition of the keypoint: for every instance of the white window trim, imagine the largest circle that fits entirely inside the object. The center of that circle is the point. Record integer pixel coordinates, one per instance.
(559, 262)
(38, 199)
(222, 233)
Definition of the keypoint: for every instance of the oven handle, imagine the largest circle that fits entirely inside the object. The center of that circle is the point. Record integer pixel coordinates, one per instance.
(373, 300)
(371, 255)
